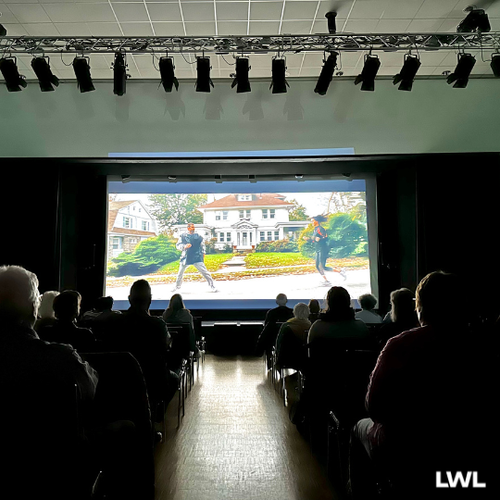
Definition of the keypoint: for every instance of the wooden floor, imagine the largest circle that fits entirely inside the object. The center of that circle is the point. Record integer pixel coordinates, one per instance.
(236, 441)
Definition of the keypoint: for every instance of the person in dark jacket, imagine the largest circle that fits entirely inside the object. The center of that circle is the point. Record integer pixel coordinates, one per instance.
(193, 253)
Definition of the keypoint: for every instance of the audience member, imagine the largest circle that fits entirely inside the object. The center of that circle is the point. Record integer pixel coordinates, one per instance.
(367, 314)
(292, 338)
(37, 381)
(46, 314)
(64, 330)
(403, 316)
(279, 314)
(177, 313)
(338, 321)
(314, 310)
(426, 384)
(147, 339)
(103, 308)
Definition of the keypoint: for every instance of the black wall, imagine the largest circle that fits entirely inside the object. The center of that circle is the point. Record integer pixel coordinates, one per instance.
(434, 212)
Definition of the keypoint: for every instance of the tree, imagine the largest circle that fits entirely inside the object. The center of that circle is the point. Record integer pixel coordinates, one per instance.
(172, 209)
(297, 212)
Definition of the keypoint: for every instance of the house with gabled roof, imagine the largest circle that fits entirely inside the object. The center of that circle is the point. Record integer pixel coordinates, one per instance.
(246, 219)
(129, 223)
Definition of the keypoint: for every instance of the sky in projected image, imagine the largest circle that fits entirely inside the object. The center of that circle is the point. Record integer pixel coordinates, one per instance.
(258, 241)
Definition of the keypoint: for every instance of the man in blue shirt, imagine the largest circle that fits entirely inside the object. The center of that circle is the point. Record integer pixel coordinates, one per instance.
(193, 253)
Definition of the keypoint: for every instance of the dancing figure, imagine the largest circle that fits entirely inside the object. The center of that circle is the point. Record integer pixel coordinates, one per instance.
(193, 253)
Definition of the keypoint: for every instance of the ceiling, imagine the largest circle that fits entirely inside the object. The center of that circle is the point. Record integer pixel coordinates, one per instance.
(240, 17)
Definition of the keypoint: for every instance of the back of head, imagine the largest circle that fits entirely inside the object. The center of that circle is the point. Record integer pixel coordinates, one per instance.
(314, 307)
(18, 296)
(339, 304)
(281, 299)
(140, 294)
(46, 308)
(436, 298)
(104, 303)
(301, 311)
(367, 301)
(403, 306)
(67, 305)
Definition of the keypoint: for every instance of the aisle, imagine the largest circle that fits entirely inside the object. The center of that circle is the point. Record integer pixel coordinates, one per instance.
(236, 441)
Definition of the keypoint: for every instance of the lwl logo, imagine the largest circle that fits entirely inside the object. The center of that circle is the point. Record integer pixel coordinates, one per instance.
(454, 479)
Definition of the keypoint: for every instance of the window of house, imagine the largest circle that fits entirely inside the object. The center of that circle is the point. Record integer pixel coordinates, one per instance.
(218, 215)
(276, 235)
(269, 236)
(224, 215)
(265, 213)
(117, 243)
(272, 213)
(127, 222)
(228, 237)
(262, 236)
(145, 225)
(220, 237)
(245, 197)
(244, 214)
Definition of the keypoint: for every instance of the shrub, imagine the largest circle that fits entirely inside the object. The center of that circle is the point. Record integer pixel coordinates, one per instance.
(148, 257)
(279, 246)
(211, 247)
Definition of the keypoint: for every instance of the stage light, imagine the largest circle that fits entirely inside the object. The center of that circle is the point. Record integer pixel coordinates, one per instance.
(167, 74)
(13, 80)
(203, 80)
(241, 79)
(46, 79)
(278, 82)
(408, 72)
(119, 74)
(326, 74)
(495, 64)
(368, 74)
(477, 19)
(81, 67)
(461, 74)
(3, 31)
(332, 27)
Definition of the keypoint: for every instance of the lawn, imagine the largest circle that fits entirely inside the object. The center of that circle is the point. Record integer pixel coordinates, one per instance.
(272, 259)
(212, 261)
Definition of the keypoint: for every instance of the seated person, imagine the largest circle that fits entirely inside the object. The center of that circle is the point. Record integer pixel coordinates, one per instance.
(279, 314)
(46, 314)
(292, 338)
(147, 339)
(97, 317)
(427, 382)
(367, 314)
(403, 316)
(177, 313)
(314, 310)
(40, 445)
(338, 322)
(64, 330)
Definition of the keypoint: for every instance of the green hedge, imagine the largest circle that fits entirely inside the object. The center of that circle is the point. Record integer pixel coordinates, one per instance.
(279, 246)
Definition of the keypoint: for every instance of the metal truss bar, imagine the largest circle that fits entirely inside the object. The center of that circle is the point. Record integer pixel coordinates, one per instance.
(280, 45)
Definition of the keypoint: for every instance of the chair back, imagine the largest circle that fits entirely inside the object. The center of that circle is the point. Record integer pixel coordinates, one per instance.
(180, 347)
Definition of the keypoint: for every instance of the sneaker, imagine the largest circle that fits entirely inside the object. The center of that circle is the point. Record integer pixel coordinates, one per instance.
(326, 283)
(213, 289)
(343, 274)
(176, 289)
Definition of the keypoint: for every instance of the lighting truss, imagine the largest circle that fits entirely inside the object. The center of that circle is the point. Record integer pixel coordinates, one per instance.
(251, 44)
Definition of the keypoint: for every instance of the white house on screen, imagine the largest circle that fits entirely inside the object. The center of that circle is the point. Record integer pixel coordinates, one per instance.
(245, 220)
(129, 223)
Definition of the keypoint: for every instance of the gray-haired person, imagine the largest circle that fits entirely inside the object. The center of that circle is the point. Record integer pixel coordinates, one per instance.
(193, 253)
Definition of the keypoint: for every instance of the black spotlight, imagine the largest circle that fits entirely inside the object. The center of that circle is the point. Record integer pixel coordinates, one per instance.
(13, 80)
(241, 79)
(495, 64)
(326, 74)
(477, 19)
(408, 72)
(119, 74)
(45, 77)
(167, 74)
(461, 74)
(278, 82)
(368, 74)
(332, 26)
(203, 80)
(3, 31)
(81, 68)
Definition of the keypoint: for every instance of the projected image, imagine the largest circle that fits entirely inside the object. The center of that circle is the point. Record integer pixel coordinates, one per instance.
(239, 245)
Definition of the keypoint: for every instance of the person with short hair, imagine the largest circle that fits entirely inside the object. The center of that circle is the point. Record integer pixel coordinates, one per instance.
(46, 314)
(32, 372)
(367, 301)
(314, 310)
(65, 330)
